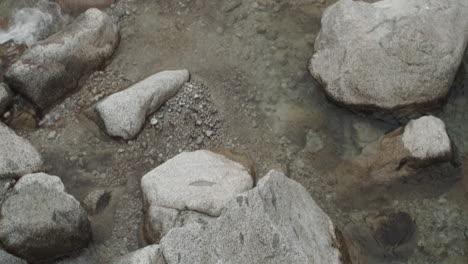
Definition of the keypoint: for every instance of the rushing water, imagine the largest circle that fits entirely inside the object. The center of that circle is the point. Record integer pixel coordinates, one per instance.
(28, 25)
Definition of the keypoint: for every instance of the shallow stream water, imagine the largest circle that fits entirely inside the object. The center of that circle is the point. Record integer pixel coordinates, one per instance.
(253, 60)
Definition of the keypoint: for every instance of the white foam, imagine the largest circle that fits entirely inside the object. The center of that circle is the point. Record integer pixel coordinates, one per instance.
(33, 23)
(28, 24)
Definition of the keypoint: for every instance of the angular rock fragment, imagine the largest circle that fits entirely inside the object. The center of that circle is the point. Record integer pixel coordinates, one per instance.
(123, 114)
(147, 255)
(17, 155)
(191, 187)
(40, 221)
(392, 55)
(276, 222)
(52, 68)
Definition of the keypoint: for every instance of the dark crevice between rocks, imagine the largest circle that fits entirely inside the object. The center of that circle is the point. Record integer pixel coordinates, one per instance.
(341, 244)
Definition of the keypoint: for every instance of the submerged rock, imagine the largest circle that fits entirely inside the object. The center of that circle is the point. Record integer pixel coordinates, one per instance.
(314, 142)
(52, 68)
(123, 114)
(276, 222)
(17, 155)
(40, 221)
(147, 255)
(392, 55)
(5, 97)
(421, 143)
(392, 229)
(96, 201)
(192, 186)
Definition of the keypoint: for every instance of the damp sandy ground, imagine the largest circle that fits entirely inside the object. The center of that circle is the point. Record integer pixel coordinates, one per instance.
(248, 61)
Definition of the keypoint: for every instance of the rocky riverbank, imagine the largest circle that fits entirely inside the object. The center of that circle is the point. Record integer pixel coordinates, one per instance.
(113, 143)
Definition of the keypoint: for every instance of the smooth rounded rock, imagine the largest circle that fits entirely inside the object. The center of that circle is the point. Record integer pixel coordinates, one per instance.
(397, 56)
(17, 155)
(40, 222)
(426, 138)
(69, 55)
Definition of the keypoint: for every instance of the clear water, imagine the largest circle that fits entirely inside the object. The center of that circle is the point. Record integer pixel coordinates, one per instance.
(254, 60)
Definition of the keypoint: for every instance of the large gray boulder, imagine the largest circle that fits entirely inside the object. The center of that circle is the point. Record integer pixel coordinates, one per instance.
(5, 97)
(40, 221)
(276, 222)
(393, 55)
(147, 255)
(398, 155)
(191, 187)
(17, 155)
(123, 114)
(52, 68)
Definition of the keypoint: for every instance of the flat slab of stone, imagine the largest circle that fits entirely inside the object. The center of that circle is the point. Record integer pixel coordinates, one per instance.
(276, 222)
(390, 55)
(200, 181)
(40, 221)
(17, 155)
(124, 113)
(192, 186)
(52, 68)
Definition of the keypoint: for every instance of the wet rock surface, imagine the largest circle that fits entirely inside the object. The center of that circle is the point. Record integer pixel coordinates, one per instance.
(40, 221)
(276, 222)
(396, 56)
(17, 155)
(422, 143)
(123, 114)
(189, 187)
(71, 54)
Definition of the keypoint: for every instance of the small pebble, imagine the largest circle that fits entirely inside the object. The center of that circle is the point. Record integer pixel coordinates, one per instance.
(52, 135)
